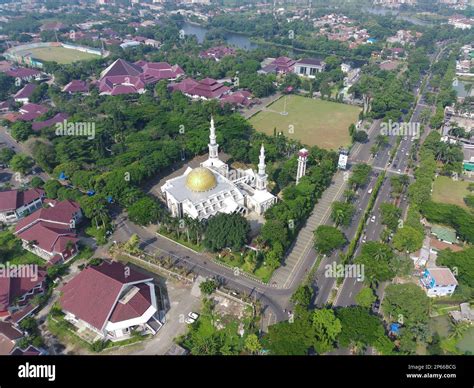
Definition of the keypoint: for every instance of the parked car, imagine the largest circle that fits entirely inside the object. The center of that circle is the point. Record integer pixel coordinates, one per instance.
(193, 315)
(189, 321)
(376, 306)
(372, 219)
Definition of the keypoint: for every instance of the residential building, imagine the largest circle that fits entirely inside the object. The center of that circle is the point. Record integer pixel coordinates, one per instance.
(17, 289)
(438, 282)
(281, 65)
(25, 93)
(15, 204)
(205, 89)
(49, 232)
(111, 300)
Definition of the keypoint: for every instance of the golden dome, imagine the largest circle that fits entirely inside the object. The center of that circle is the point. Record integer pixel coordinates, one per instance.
(201, 179)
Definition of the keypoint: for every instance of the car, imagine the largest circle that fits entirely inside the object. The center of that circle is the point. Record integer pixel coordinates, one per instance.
(376, 306)
(189, 321)
(369, 191)
(399, 170)
(193, 315)
(372, 219)
(364, 239)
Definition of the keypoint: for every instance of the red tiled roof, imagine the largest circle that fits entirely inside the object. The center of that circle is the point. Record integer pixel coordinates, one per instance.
(12, 287)
(25, 92)
(135, 307)
(9, 331)
(92, 294)
(22, 72)
(76, 86)
(29, 351)
(207, 88)
(13, 199)
(59, 215)
(50, 237)
(58, 118)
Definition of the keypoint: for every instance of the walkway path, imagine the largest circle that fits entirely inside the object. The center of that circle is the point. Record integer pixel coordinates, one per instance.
(283, 276)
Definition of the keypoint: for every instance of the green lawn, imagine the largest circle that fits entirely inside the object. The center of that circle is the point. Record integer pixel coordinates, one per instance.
(60, 55)
(446, 190)
(313, 122)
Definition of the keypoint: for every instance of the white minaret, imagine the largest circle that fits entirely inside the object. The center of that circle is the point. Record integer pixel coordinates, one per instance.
(302, 159)
(261, 182)
(213, 146)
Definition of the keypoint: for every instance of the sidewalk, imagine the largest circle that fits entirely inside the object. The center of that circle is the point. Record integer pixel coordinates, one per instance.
(283, 276)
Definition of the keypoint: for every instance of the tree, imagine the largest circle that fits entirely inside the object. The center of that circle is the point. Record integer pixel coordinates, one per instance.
(360, 175)
(326, 329)
(302, 296)
(51, 188)
(21, 130)
(406, 303)
(328, 238)
(21, 163)
(360, 327)
(6, 154)
(226, 231)
(275, 231)
(376, 258)
(145, 211)
(365, 297)
(207, 287)
(36, 182)
(252, 344)
(132, 246)
(390, 215)
(407, 239)
(360, 136)
(342, 213)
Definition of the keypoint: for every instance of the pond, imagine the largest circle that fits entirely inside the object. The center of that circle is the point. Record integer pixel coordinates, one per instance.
(238, 40)
(466, 343)
(463, 88)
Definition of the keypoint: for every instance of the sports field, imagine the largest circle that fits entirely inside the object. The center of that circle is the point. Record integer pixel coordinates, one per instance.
(59, 54)
(313, 122)
(446, 190)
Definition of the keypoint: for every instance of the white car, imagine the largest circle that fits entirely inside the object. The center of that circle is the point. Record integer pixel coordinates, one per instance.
(372, 219)
(189, 321)
(193, 315)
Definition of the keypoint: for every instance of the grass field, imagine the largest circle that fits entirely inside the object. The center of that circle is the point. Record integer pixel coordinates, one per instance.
(60, 55)
(446, 190)
(313, 122)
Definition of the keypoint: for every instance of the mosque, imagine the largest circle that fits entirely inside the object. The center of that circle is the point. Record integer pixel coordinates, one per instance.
(213, 188)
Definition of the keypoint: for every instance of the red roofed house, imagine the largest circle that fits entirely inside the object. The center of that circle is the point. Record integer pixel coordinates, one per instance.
(9, 336)
(241, 98)
(29, 111)
(15, 204)
(58, 118)
(112, 300)
(17, 288)
(49, 232)
(217, 53)
(76, 86)
(24, 74)
(24, 94)
(123, 77)
(281, 65)
(205, 89)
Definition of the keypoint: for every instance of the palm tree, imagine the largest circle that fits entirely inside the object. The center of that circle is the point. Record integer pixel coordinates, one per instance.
(458, 330)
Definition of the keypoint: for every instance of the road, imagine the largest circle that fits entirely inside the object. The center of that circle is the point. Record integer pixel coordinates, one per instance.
(351, 286)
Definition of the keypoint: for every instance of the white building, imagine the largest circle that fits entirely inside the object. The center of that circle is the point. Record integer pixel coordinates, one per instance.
(438, 282)
(308, 67)
(210, 189)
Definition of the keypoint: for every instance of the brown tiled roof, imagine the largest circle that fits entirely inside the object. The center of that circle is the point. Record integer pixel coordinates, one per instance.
(92, 295)
(133, 308)
(13, 199)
